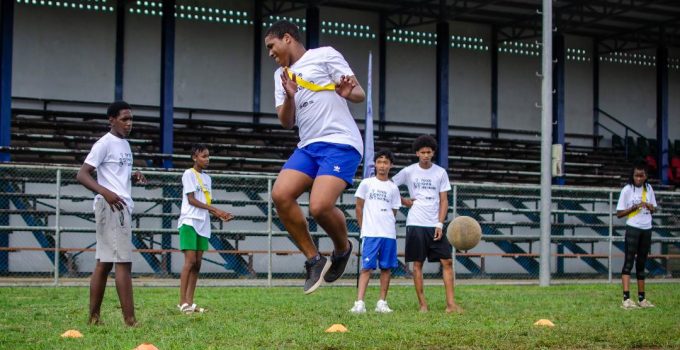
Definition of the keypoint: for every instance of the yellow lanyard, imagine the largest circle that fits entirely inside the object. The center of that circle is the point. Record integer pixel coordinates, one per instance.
(310, 86)
(644, 200)
(208, 199)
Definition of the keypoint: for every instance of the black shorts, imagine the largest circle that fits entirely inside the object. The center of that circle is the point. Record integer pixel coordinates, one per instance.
(420, 244)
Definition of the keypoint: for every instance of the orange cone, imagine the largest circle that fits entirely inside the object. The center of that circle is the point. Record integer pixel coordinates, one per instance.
(146, 346)
(337, 328)
(545, 323)
(72, 333)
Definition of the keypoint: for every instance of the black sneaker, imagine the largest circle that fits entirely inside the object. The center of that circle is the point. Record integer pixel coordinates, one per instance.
(338, 264)
(314, 272)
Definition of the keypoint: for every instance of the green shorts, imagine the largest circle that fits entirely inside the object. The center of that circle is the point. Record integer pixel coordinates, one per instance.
(190, 240)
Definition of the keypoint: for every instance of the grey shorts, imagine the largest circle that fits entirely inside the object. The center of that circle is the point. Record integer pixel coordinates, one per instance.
(114, 233)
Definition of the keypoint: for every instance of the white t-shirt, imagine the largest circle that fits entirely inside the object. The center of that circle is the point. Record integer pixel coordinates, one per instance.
(380, 198)
(321, 116)
(190, 215)
(631, 195)
(424, 185)
(112, 157)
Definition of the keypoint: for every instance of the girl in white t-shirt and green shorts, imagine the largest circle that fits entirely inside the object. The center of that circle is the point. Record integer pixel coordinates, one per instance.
(194, 224)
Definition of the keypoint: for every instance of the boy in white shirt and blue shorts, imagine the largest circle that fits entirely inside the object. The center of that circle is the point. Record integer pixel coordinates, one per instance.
(377, 201)
(312, 88)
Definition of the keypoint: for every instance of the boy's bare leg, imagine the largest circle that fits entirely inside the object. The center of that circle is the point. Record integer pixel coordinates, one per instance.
(97, 288)
(449, 284)
(418, 283)
(193, 276)
(325, 192)
(289, 185)
(124, 289)
(385, 275)
(364, 278)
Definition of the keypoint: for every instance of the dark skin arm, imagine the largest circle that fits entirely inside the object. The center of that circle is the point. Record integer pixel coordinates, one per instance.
(221, 214)
(443, 211)
(348, 88)
(286, 111)
(85, 178)
(360, 211)
(626, 212)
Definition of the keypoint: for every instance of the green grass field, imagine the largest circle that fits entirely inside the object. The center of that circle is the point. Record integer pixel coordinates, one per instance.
(496, 316)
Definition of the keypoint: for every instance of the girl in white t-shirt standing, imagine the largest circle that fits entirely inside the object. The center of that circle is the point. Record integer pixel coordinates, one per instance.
(194, 224)
(637, 203)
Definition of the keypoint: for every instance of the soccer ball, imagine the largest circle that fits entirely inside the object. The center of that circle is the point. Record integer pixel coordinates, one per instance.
(464, 233)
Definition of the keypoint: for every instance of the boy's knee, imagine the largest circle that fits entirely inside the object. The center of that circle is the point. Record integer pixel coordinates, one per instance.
(317, 209)
(281, 198)
(447, 263)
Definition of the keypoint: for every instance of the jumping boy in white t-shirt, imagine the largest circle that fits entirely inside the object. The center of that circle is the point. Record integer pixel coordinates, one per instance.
(112, 158)
(312, 88)
(194, 224)
(377, 201)
(428, 185)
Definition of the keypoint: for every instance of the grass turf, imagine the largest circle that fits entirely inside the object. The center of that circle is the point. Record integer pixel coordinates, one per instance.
(496, 316)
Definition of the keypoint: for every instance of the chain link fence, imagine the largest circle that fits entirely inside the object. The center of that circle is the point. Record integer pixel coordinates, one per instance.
(45, 212)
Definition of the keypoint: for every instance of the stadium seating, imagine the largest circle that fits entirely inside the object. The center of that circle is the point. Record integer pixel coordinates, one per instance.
(57, 137)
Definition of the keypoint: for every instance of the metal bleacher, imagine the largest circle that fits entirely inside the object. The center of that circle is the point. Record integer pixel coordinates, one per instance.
(49, 137)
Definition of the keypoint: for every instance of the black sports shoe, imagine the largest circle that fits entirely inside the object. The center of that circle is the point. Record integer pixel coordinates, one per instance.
(315, 270)
(338, 264)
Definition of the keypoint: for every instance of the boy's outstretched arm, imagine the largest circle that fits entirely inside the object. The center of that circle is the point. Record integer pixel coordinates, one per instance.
(84, 176)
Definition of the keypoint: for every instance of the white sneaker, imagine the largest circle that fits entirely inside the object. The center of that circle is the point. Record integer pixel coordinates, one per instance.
(358, 308)
(629, 305)
(382, 307)
(645, 303)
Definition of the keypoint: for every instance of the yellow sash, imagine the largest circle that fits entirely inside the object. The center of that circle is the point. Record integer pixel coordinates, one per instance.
(644, 200)
(310, 86)
(208, 199)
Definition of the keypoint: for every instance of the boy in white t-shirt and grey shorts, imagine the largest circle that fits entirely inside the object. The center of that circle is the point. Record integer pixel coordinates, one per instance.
(111, 157)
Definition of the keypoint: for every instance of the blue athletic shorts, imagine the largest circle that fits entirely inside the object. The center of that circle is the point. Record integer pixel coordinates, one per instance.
(324, 158)
(379, 250)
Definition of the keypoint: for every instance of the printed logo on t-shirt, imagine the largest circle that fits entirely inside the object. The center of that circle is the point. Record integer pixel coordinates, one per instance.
(299, 88)
(125, 159)
(336, 168)
(306, 104)
(425, 184)
(378, 195)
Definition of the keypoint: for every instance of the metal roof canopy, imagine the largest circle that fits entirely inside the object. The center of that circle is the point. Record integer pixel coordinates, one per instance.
(618, 25)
